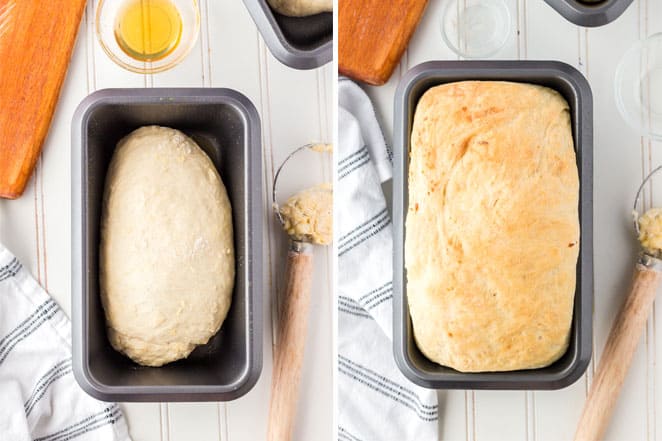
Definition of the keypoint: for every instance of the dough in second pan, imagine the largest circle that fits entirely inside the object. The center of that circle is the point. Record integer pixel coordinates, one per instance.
(301, 8)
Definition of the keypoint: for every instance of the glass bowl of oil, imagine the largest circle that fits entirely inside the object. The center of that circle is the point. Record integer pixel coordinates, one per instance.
(147, 36)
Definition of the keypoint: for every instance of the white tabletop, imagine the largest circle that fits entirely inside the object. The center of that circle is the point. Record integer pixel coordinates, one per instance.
(296, 108)
(621, 159)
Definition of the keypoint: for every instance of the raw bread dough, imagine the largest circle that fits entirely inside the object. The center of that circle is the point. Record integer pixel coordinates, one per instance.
(308, 215)
(301, 8)
(492, 230)
(650, 231)
(166, 252)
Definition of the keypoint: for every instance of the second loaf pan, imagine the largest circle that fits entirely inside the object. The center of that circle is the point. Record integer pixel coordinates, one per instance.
(590, 13)
(227, 127)
(298, 42)
(575, 89)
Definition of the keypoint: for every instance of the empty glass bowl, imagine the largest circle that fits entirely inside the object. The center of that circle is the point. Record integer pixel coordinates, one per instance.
(475, 28)
(639, 87)
(147, 36)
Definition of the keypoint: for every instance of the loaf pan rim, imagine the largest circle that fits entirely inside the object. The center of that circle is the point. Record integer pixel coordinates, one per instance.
(581, 332)
(583, 14)
(157, 393)
(278, 44)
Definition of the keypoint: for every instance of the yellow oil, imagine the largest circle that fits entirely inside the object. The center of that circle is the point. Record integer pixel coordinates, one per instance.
(148, 30)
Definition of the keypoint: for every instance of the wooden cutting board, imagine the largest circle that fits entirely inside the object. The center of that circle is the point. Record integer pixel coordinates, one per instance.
(36, 40)
(373, 34)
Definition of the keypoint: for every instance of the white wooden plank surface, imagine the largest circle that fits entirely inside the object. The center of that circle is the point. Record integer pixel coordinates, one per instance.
(564, 46)
(195, 421)
(650, 23)
(229, 53)
(621, 159)
(616, 144)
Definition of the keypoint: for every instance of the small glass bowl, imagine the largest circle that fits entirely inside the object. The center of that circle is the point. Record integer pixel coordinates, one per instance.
(106, 20)
(638, 85)
(475, 28)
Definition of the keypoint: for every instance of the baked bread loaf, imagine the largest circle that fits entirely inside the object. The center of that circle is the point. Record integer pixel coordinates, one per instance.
(166, 252)
(492, 228)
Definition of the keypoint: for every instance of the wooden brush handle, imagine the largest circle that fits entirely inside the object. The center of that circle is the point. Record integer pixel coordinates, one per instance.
(617, 357)
(288, 353)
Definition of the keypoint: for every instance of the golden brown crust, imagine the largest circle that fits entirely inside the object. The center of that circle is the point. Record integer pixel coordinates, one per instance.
(492, 231)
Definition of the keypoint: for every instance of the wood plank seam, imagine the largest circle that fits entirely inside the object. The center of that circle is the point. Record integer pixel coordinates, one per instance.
(204, 42)
(474, 418)
(522, 54)
(89, 47)
(208, 48)
(520, 17)
(44, 246)
(35, 178)
(326, 162)
(265, 112)
(527, 426)
(268, 162)
(221, 416)
(466, 415)
(320, 111)
(523, 21)
(531, 433)
(164, 413)
(470, 415)
(160, 422)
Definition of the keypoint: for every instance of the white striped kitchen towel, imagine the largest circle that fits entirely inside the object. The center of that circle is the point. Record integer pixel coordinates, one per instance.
(39, 397)
(375, 400)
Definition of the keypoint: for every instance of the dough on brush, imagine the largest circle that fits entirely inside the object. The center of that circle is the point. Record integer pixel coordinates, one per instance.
(166, 253)
(301, 8)
(308, 215)
(492, 229)
(650, 231)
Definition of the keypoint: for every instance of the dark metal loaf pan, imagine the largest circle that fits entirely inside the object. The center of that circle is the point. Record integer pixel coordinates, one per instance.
(299, 42)
(590, 13)
(575, 89)
(226, 125)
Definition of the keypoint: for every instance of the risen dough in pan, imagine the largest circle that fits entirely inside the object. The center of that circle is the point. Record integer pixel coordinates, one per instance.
(492, 231)
(301, 8)
(166, 253)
